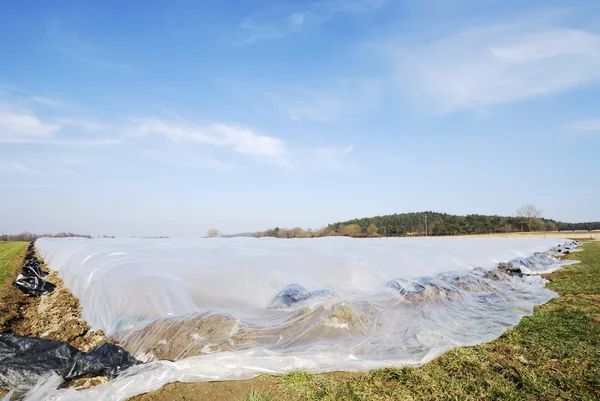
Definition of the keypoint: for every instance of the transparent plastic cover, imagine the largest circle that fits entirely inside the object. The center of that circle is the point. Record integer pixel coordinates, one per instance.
(224, 309)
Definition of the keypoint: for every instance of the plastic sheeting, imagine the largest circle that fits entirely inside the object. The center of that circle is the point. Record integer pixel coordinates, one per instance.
(226, 309)
(33, 285)
(30, 281)
(24, 360)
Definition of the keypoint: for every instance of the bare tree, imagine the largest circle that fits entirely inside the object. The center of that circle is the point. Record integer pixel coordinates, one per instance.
(529, 212)
(211, 233)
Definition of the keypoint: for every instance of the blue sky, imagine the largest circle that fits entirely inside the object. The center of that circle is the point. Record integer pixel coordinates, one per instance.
(172, 117)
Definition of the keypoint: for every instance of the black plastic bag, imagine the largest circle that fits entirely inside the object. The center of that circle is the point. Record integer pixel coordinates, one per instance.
(33, 262)
(104, 360)
(34, 271)
(33, 285)
(25, 360)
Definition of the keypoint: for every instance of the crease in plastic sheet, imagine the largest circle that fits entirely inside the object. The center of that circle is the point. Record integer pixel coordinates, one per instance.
(229, 309)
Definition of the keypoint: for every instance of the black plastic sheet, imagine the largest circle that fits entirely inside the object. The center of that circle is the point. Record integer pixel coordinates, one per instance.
(24, 360)
(34, 286)
(34, 271)
(30, 281)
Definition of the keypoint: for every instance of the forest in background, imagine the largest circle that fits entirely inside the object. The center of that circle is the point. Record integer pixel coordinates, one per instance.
(528, 219)
(26, 236)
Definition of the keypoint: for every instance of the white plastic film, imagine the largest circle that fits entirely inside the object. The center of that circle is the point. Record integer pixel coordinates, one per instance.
(226, 309)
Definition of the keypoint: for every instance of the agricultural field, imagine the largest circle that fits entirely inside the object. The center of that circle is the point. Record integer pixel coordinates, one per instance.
(318, 200)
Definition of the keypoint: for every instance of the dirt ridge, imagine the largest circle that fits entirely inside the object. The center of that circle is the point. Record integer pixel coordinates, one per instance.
(53, 316)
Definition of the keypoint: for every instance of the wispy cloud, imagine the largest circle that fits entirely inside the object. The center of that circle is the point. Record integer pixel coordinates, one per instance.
(23, 125)
(584, 126)
(47, 101)
(18, 96)
(12, 166)
(495, 64)
(240, 139)
(336, 158)
(39, 167)
(255, 31)
(86, 125)
(315, 13)
(297, 19)
(185, 160)
(328, 104)
(73, 46)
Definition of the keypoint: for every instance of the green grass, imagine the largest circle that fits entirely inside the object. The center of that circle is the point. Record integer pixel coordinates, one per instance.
(552, 355)
(11, 257)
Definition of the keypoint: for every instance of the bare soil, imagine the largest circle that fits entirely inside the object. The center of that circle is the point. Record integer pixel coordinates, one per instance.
(54, 316)
(216, 391)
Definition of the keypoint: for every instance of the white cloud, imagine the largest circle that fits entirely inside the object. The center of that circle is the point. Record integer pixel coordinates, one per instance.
(584, 125)
(491, 65)
(29, 119)
(241, 139)
(18, 124)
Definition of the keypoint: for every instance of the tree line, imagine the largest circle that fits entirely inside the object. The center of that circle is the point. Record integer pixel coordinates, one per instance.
(435, 224)
(26, 236)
